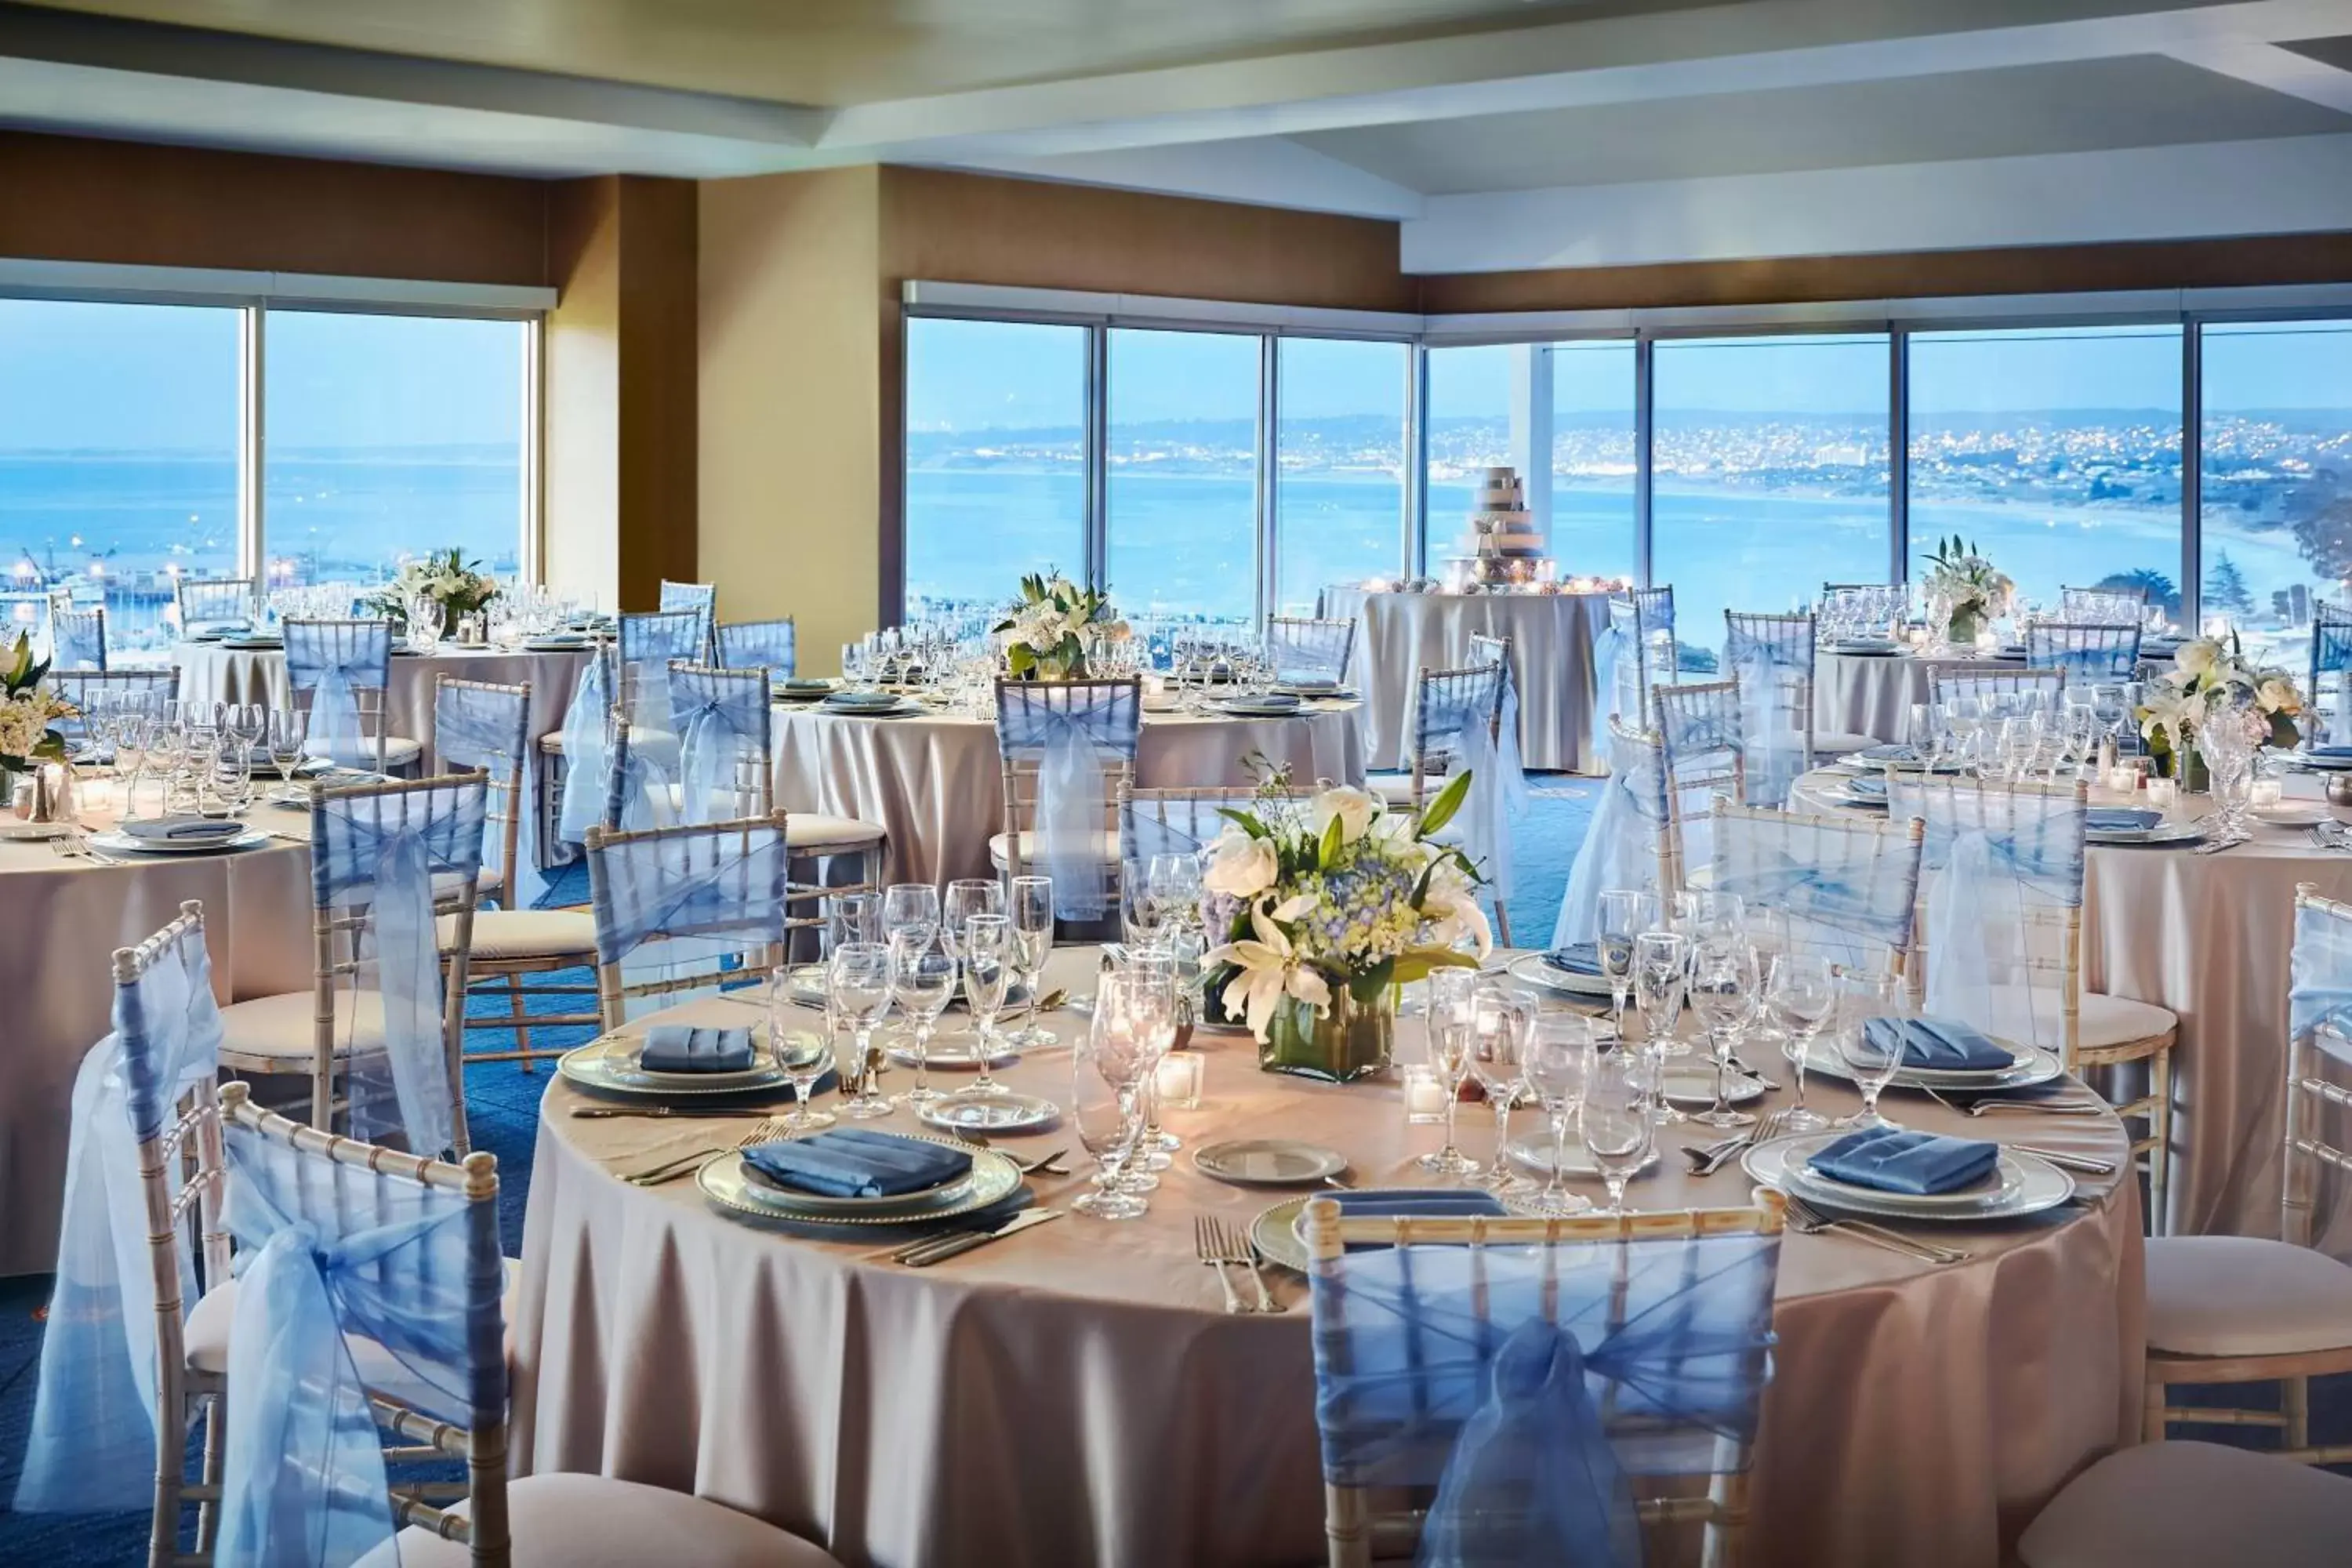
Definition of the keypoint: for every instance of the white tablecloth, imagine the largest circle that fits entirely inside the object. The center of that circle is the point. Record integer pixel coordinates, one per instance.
(934, 781)
(1869, 694)
(2208, 936)
(65, 918)
(1076, 1396)
(1397, 634)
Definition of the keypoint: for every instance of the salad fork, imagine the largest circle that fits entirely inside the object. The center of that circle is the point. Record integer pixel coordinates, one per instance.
(683, 1164)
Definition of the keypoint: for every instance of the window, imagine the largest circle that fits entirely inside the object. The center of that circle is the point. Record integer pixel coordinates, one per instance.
(2056, 452)
(1770, 474)
(118, 456)
(1470, 404)
(388, 437)
(2275, 494)
(1593, 522)
(996, 459)
(1182, 477)
(1339, 511)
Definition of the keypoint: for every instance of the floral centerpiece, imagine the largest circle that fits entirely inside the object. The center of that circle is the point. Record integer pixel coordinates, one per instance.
(1966, 582)
(2206, 677)
(27, 708)
(443, 577)
(1328, 905)
(1056, 625)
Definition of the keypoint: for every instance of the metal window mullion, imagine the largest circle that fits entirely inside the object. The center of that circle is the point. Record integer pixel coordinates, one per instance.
(533, 555)
(1270, 469)
(1643, 389)
(1414, 557)
(2193, 475)
(1898, 455)
(1096, 456)
(251, 540)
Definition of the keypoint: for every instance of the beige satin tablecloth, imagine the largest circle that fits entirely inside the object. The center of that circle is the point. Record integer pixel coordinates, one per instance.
(65, 918)
(935, 781)
(1551, 663)
(1870, 693)
(2207, 937)
(1076, 1396)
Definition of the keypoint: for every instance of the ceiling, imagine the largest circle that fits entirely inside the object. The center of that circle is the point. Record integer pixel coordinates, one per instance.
(1498, 132)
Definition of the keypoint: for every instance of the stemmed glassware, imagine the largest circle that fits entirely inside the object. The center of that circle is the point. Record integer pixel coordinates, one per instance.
(1503, 1016)
(1624, 914)
(1030, 907)
(1615, 1120)
(987, 955)
(1175, 889)
(801, 1055)
(1558, 1064)
(1871, 1060)
(1139, 916)
(1172, 964)
(859, 984)
(923, 981)
(1108, 1070)
(911, 909)
(1661, 973)
(286, 734)
(1451, 1016)
(1800, 993)
(1723, 994)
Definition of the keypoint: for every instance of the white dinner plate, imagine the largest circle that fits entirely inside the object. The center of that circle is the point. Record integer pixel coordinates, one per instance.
(2026, 1184)
(1532, 969)
(1692, 1083)
(2030, 1066)
(2294, 814)
(1004, 1111)
(118, 843)
(2163, 833)
(1268, 1162)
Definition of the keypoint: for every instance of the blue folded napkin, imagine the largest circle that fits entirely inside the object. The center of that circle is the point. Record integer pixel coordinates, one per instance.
(1415, 1203)
(1941, 1044)
(1577, 958)
(2331, 752)
(181, 829)
(850, 1163)
(682, 1047)
(1894, 1160)
(2121, 819)
(1868, 783)
(1888, 753)
(1268, 701)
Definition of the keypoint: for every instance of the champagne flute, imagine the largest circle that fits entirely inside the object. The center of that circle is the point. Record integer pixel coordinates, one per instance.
(1106, 1068)
(1139, 916)
(1559, 1060)
(1802, 993)
(1614, 1121)
(1723, 994)
(1872, 1056)
(987, 955)
(801, 1055)
(858, 979)
(923, 981)
(1030, 907)
(1624, 914)
(1661, 970)
(1449, 1024)
(1166, 965)
(1503, 1019)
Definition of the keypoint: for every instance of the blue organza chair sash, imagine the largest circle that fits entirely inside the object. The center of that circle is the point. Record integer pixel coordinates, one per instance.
(1621, 848)
(1527, 1383)
(1068, 734)
(2331, 653)
(687, 905)
(379, 854)
(1852, 892)
(722, 728)
(2319, 983)
(209, 604)
(587, 748)
(1498, 789)
(78, 639)
(768, 645)
(477, 727)
(1775, 674)
(2107, 653)
(304, 1477)
(92, 1442)
(646, 643)
(334, 661)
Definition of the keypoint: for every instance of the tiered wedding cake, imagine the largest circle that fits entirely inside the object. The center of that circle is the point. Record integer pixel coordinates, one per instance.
(1501, 545)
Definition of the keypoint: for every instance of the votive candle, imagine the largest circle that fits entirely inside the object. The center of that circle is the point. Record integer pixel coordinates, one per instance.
(1424, 1096)
(2264, 792)
(1178, 1080)
(2162, 793)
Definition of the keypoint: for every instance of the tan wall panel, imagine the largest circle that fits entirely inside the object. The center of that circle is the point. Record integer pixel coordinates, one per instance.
(658, 388)
(581, 394)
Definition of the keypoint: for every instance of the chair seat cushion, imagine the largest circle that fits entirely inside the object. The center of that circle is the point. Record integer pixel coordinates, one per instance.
(815, 830)
(566, 1521)
(1395, 789)
(527, 933)
(1105, 849)
(2244, 1295)
(2193, 1505)
(551, 743)
(2107, 1020)
(1838, 743)
(207, 1333)
(399, 751)
(280, 1027)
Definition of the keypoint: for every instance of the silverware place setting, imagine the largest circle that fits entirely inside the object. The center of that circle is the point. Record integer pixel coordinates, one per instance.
(1807, 1220)
(1705, 1159)
(1988, 1104)
(768, 1130)
(933, 1249)
(1222, 1245)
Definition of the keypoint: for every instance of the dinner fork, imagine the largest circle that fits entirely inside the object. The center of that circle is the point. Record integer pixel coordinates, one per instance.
(1205, 1248)
(1806, 1220)
(1986, 1104)
(1234, 1247)
(683, 1164)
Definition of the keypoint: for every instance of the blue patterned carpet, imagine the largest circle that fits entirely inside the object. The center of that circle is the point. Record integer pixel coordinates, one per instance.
(503, 1105)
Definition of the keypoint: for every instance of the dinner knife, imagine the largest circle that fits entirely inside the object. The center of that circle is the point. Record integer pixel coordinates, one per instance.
(955, 1246)
(681, 1112)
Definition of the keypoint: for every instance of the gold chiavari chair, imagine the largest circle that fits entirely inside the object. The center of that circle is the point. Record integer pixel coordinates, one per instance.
(1031, 719)
(1949, 680)
(1446, 704)
(1848, 886)
(1591, 1274)
(729, 936)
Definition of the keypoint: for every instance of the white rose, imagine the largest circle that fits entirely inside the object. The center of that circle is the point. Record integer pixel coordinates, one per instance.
(1353, 807)
(2276, 695)
(1239, 867)
(2197, 657)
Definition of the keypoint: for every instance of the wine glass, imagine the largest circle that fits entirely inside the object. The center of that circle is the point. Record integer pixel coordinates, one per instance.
(1801, 992)
(859, 983)
(1030, 907)
(801, 1055)
(1503, 1018)
(286, 734)
(1624, 914)
(1872, 1056)
(1139, 916)
(1107, 1067)
(911, 909)
(1450, 1018)
(923, 981)
(1723, 994)
(967, 897)
(1614, 1121)
(1174, 881)
(1661, 972)
(1700, 910)
(1559, 1062)
(987, 955)
(855, 917)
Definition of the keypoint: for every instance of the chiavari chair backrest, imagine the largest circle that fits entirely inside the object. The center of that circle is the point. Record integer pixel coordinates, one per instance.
(1177, 821)
(1998, 940)
(1644, 654)
(76, 637)
(104, 690)
(700, 597)
(686, 910)
(478, 724)
(1486, 649)
(1955, 679)
(406, 1251)
(1849, 887)
(1700, 725)
(1035, 718)
(2110, 606)
(342, 656)
(771, 645)
(1301, 649)
(2331, 655)
(645, 646)
(1420, 1325)
(215, 602)
(724, 721)
(386, 859)
(1631, 841)
(2319, 1049)
(1447, 705)
(2085, 652)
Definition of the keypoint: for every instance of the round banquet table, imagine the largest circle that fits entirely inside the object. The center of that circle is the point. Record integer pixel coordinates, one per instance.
(1551, 663)
(1077, 1396)
(211, 673)
(66, 918)
(1872, 693)
(2207, 937)
(935, 781)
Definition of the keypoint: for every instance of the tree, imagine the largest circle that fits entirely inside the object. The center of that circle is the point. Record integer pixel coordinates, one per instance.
(2158, 587)
(2225, 588)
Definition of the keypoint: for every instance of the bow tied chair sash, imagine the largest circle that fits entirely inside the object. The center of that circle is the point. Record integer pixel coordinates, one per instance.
(474, 727)
(304, 1482)
(1772, 686)
(1621, 847)
(722, 728)
(1069, 743)
(1488, 751)
(2319, 983)
(91, 1446)
(671, 909)
(587, 751)
(1848, 891)
(335, 662)
(1525, 1384)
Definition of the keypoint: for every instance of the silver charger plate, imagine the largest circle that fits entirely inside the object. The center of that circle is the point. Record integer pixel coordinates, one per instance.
(2026, 1184)
(1867, 649)
(727, 1182)
(2030, 1066)
(2163, 833)
(36, 831)
(982, 1174)
(609, 1065)
(1004, 1111)
(804, 986)
(1532, 969)
(115, 842)
(1241, 708)
(1533, 1152)
(1268, 1162)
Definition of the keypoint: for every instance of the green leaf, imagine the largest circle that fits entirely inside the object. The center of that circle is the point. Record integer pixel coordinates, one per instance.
(1416, 963)
(1332, 839)
(1366, 987)
(1247, 821)
(1439, 812)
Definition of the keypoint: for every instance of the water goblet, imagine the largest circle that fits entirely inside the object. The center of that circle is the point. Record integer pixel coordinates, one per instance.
(1559, 1062)
(1029, 905)
(1614, 1121)
(910, 910)
(1800, 993)
(1174, 881)
(1106, 1067)
(1138, 915)
(801, 1055)
(1502, 1020)
(286, 735)
(1169, 965)
(923, 981)
(853, 918)
(1872, 1056)
(967, 897)
(1723, 994)
(859, 983)
(1449, 1017)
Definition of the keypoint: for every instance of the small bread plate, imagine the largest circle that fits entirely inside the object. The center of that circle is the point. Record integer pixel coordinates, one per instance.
(2029, 1066)
(115, 842)
(2021, 1183)
(38, 830)
(1260, 707)
(2294, 814)
(1533, 1152)
(1869, 647)
(728, 1182)
(1268, 1162)
(1003, 1112)
(1692, 1083)
(1537, 969)
(609, 1065)
(2161, 834)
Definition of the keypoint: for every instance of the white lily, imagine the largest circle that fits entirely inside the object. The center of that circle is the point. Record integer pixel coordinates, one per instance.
(1454, 905)
(1269, 969)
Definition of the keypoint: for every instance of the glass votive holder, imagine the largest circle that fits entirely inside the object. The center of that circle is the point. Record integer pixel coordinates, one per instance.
(1178, 1080)
(1424, 1096)
(2264, 792)
(2123, 778)
(2162, 793)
